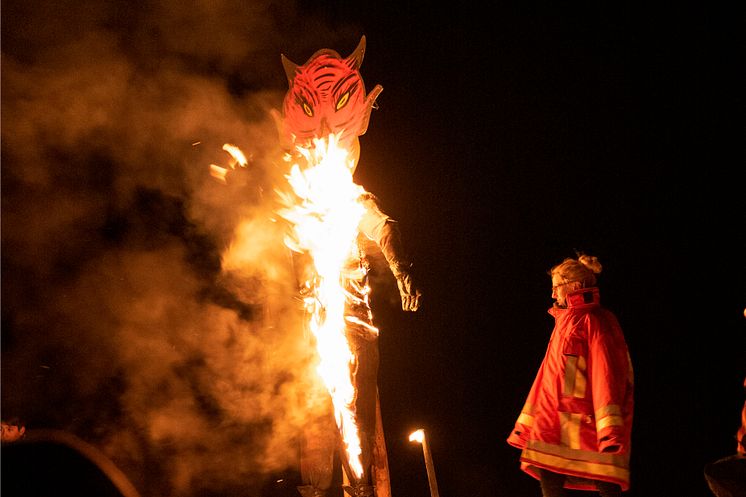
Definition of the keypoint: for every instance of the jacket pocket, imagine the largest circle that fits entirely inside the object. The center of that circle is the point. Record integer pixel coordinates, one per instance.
(574, 350)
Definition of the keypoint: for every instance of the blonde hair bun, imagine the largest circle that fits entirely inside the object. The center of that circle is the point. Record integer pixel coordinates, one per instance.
(591, 262)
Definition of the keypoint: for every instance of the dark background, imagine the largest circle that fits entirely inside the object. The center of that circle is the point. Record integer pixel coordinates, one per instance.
(506, 139)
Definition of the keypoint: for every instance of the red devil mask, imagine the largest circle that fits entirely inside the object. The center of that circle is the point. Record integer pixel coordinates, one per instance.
(327, 95)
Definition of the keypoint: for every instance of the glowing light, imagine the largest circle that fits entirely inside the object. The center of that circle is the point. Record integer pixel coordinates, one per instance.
(218, 172)
(237, 157)
(417, 436)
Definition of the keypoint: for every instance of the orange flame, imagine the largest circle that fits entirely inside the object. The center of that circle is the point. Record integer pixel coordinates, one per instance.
(324, 212)
(237, 156)
(417, 436)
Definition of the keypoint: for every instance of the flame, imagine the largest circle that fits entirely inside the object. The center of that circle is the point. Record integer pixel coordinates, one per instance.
(325, 213)
(237, 154)
(417, 436)
(238, 157)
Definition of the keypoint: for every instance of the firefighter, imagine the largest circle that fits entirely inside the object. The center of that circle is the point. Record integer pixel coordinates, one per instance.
(575, 426)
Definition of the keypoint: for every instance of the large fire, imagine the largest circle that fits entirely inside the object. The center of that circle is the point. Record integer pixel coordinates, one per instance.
(324, 213)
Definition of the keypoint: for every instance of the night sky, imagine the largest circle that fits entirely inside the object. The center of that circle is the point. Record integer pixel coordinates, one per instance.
(137, 290)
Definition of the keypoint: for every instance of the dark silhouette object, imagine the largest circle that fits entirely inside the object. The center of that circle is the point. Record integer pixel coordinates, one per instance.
(726, 477)
(53, 463)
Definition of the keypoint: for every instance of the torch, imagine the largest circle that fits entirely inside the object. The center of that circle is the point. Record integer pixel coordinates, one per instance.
(419, 436)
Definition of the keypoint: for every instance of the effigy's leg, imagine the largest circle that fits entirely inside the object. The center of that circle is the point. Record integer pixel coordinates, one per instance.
(367, 416)
(318, 444)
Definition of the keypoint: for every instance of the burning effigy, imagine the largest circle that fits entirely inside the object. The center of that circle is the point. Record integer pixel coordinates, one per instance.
(330, 221)
(324, 112)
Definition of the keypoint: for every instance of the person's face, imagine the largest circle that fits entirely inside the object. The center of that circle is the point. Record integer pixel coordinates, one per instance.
(560, 289)
(11, 433)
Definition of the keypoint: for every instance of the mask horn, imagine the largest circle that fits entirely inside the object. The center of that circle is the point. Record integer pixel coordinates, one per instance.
(355, 59)
(369, 103)
(290, 68)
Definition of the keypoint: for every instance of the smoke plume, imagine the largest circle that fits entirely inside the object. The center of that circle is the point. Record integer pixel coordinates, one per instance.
(147, 307)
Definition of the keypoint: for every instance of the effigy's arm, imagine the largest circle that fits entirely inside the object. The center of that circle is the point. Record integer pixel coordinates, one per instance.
(383, 230)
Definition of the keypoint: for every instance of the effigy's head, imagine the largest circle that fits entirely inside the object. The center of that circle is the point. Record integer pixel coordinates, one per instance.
(327, 95)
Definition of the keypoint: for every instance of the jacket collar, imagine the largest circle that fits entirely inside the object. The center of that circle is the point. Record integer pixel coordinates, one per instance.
(583, 299)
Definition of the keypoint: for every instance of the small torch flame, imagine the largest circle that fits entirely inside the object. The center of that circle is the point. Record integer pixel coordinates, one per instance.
(325, 213)
(417, 436)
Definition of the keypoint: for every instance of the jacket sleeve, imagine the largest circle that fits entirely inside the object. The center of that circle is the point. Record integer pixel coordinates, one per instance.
(610, 383)
(525, 423)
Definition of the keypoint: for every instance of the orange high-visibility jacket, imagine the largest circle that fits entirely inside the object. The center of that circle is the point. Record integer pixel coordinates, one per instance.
(577, 419)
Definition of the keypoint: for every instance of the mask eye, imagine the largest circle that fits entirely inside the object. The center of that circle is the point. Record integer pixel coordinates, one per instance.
(343, 100)
(307, 109)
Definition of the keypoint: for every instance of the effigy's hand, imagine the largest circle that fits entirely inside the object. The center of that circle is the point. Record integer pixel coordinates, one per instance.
(410, 294)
